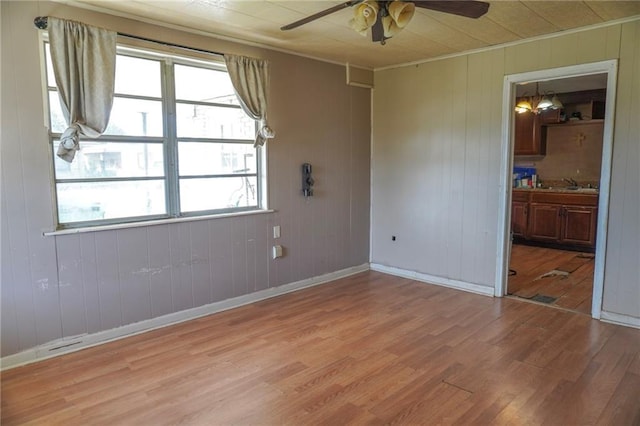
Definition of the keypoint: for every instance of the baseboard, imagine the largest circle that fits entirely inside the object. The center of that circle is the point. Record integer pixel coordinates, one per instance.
(71, 344)
(432, 279)
(620, 319)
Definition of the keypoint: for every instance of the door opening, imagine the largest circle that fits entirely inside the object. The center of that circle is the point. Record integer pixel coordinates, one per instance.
(560, 200)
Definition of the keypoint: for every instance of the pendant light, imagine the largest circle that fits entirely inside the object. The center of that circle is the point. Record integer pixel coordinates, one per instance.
(538, 103)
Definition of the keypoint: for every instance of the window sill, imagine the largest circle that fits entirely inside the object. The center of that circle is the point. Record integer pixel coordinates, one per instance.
(152, 222)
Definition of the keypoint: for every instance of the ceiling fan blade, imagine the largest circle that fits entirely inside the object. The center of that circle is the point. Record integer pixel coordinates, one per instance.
(469, 9)
(320, 14)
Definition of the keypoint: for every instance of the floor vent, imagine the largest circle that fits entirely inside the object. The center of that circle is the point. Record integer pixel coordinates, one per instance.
(543, 299)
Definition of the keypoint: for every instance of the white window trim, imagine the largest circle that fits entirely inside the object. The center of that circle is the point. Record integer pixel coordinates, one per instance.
(139, 224)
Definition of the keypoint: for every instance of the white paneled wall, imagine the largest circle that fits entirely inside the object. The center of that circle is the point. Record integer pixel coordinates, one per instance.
(436, 159)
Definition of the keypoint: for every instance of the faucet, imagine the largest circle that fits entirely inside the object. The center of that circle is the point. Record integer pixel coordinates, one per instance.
(570, 181)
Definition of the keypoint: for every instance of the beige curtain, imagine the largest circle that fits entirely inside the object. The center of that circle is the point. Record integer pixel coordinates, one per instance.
(250, 79)
(84, 65)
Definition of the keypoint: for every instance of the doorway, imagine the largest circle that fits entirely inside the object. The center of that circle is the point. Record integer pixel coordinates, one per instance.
(555, 233)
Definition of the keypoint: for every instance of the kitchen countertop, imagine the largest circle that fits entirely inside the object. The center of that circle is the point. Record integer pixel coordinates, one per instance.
(561, 189)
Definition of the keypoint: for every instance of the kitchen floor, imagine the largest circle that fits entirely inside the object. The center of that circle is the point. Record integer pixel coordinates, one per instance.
(560, 278)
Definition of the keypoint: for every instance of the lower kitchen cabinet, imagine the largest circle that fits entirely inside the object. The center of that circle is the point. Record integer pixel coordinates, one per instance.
(579, 225)
(544, 222)
(519, 214)
(555, 218)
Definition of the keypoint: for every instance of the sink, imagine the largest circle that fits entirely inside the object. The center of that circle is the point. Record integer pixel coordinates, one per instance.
(580, 189)
(571, 189)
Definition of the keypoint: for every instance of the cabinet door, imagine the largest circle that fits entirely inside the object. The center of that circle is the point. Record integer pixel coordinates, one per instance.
(544, 222)
(550, 116)
(528, 135)
(579, 225)
(519, 210)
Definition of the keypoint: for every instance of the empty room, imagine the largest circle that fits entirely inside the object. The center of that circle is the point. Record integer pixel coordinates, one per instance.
(320, 212)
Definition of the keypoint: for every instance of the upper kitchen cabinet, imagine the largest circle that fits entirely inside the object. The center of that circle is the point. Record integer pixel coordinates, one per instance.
(529, 137)
(584, 105)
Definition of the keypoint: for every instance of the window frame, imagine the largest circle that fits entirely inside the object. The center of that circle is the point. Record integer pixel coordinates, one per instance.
(170, 141)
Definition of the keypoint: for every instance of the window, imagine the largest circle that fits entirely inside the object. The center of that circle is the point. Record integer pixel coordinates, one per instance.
(177, 144)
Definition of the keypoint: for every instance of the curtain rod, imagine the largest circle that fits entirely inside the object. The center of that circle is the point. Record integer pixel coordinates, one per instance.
(42, 22)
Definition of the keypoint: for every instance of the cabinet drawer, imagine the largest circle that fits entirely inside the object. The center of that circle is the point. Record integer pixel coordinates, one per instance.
(564, 198)
(520, 196)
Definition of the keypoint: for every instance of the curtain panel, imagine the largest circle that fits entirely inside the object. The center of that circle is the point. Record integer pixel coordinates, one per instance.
(84, 66)
(250, 79)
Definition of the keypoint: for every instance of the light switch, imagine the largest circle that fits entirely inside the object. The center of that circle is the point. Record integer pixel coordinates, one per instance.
(277, 251)
(276, 231)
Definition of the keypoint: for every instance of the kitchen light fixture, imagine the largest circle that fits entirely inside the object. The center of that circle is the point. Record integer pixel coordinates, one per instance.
(538, 103)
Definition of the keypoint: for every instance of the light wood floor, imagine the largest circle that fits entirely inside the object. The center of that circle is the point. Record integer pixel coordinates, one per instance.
(566, 276)
(370, 349)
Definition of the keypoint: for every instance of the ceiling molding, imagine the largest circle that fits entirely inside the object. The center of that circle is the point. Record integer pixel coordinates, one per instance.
(133, 17)
(515, 43)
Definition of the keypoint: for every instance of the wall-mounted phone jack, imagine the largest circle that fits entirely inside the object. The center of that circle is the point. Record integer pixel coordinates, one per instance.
(307, 180)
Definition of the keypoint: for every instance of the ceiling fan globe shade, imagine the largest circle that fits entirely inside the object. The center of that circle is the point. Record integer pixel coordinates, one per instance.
(364, 16)
(401, 12)
(390, 27)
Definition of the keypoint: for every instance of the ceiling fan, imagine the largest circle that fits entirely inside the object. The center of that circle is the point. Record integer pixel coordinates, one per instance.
(387, 18)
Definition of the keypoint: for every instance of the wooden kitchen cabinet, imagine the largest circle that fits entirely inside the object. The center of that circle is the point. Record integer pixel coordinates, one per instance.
(557, 218)
(530, 135)
(519, 211)
(545, 222)
(579, 225)
(551, 116)
(519, 214)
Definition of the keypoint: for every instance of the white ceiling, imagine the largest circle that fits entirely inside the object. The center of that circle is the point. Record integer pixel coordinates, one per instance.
(429, 35)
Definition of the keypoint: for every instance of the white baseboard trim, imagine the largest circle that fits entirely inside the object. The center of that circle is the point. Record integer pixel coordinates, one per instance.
(432, 279)
(74, 343)
(620, 319)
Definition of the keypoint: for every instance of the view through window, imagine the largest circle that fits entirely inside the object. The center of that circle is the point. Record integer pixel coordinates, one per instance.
(177, 144)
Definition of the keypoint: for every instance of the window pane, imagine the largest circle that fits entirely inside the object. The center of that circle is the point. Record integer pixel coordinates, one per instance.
(108, 200)
(58, 123)
(197, 121)
(137, 76)
(135, 117)
(51, 78)
(217, 193)
(200, 158)
(204, 85)
(111, 159)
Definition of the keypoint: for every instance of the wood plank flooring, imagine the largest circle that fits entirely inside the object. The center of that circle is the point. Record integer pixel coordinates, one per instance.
(367, 349)
(563, 275)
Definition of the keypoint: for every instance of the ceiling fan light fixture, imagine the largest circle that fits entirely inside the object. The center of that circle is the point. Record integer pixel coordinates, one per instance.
(390, 27)
(401, 12)
(364, 16)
